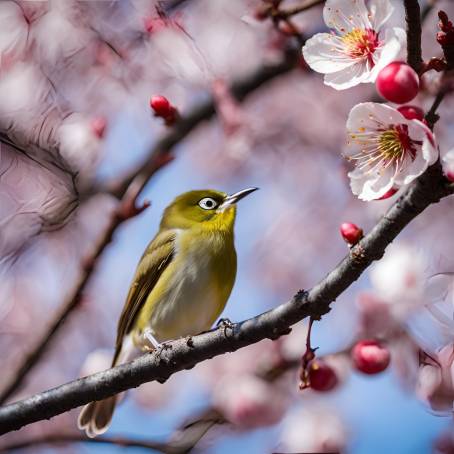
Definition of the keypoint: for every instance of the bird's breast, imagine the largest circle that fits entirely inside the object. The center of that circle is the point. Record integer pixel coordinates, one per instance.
(194, 289)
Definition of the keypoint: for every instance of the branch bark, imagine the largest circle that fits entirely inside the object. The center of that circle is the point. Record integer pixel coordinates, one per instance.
(413, 20)
(134, 182)
(181, 354)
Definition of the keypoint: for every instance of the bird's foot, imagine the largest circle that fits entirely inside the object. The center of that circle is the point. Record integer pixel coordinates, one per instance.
(150, 343)
(226, 324)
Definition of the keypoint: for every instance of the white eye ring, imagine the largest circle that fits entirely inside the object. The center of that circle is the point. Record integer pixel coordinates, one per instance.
(208, 203)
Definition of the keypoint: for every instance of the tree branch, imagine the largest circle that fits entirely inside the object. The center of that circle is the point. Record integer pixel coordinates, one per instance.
(134, 182)
(181, 354)
(413, 20)
(79, 438)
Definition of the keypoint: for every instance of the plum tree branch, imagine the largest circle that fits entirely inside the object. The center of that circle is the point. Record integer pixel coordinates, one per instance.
(128, 189)
(413, 20)
(181, 354)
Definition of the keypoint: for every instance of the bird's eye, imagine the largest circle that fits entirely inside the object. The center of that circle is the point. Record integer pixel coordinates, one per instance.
(208, 203)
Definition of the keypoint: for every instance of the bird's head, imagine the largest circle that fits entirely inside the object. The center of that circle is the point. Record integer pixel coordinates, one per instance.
(203, 206)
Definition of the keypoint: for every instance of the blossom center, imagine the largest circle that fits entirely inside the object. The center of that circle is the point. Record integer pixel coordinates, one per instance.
(395, 142)
(361, 43)
(384, 147)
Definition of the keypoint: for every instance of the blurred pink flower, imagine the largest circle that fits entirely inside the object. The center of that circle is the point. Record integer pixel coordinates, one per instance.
(389, 150)
(358, 47)
(249, 402)
(96, 361)
(79, 144)
(314, 429)
(436, 380)
(375, 315)
(399, 279)
(13, 33)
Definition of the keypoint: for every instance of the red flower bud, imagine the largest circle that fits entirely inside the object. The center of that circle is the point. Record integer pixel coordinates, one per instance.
(351, 233)
(398, 82)
(411, 112)
(370, 357)
(98, 126)
(450, 175)
(321, 376)
(162, 108)
(160, 105)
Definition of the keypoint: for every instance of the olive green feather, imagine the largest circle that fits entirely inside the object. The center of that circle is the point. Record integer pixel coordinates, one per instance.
(157, 256)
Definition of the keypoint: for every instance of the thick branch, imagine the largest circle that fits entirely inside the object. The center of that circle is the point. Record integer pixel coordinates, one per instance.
(413, 20)
(181, 354)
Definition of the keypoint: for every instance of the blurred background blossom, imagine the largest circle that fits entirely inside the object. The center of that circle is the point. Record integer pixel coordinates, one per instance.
(75, 82)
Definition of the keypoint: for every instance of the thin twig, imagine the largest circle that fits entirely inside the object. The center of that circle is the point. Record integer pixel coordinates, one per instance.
(181, 354)
(431, 116)
(413, 20)
(134, 182)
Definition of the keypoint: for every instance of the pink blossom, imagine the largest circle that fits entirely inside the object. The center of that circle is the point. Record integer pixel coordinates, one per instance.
(436, 380)
(313, 429)
(249, 402)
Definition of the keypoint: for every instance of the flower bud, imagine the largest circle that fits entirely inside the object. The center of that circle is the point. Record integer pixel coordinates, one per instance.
(98, 126)
(398, 82)
(411, 112)
(351, 233)
(370, 357)
(321, 376)
(162, 108)
(450, 175)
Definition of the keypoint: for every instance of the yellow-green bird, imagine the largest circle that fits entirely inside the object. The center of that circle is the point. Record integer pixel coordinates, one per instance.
(181, 284)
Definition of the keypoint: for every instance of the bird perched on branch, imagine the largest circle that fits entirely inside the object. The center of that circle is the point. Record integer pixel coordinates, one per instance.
(181, 284)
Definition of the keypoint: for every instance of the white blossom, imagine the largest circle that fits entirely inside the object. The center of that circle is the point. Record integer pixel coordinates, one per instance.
(389, 151)
(359, 45)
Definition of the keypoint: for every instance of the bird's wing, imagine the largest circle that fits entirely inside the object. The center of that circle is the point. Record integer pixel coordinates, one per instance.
(154, 261)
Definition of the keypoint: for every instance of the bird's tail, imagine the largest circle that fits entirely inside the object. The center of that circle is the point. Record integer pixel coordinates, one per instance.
(95, 417)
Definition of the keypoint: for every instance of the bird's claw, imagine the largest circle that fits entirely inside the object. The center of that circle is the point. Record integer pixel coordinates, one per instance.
(226, 324)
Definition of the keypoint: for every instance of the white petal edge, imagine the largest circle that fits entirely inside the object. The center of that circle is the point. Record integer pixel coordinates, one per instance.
(322, 54)
(344, 15)
(348, 77)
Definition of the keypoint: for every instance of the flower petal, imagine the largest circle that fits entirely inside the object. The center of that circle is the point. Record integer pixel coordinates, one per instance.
(370, 186)
(344, 15)
(348, 77)
(380, 11)
(323, 54)
(392, 50)
(371, 115)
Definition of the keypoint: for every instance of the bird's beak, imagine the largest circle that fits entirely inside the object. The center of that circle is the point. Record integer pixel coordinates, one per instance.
(234, 198)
